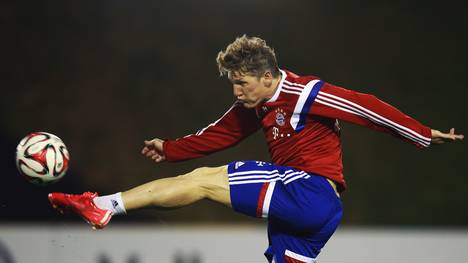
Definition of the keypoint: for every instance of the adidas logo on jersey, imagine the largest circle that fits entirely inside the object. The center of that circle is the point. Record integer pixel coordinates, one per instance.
(238, 164)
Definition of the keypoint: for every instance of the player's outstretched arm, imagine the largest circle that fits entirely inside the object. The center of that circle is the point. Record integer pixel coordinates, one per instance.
(234, 126)
(439, 137)
(154, 150)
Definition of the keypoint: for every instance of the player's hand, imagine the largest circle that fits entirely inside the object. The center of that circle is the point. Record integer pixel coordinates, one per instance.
(439, 137)
(154, 150)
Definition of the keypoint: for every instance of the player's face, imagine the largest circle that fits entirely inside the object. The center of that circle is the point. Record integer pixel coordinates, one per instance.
(250, 90)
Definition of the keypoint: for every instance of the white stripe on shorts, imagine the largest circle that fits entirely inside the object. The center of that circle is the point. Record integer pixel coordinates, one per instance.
(267, 201)
(262, 176)
(301, 258)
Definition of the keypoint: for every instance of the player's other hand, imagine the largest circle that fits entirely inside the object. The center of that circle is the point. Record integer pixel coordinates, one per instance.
(154, 150)
(439, 137)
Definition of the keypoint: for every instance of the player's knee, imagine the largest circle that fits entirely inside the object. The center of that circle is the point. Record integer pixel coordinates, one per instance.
(197, 175)
(206, 174)
(207, 180)
(201, 171)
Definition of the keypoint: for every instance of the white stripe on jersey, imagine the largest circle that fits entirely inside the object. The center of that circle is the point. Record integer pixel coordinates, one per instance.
(294, 84)
(200, 132)
(375, 120)
(291, 92)
(410, 134)
(292, 88)
(300, 103)
(353, 108)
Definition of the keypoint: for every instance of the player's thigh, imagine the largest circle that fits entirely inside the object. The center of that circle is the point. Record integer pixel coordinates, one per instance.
(212, 182)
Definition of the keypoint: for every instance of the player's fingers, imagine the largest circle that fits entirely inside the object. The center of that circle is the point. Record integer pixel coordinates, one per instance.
(452, 136)
(144, 150)
(160, 159)
(150, 153)
(149, 144)
(456, 136)
(447, 137)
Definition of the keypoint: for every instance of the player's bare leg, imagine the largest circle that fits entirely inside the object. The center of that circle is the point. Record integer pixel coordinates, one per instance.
(207, 182)
(202, 183)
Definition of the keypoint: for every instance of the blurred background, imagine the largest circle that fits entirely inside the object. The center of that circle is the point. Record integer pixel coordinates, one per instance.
(106, 75)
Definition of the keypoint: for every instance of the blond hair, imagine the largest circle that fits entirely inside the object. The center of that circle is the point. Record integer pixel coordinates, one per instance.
(247, 55)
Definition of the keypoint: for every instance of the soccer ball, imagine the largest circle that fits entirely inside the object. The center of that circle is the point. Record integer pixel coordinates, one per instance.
(42, 158)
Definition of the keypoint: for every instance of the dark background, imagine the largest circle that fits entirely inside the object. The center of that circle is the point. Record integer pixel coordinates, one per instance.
(105, 75)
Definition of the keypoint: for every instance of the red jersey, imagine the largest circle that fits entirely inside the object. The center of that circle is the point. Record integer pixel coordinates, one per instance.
(300, 123)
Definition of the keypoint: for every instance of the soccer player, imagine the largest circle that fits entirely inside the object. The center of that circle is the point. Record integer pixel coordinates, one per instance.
(299, 191)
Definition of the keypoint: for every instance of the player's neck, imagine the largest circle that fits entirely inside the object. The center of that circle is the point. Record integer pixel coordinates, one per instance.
(275, 86)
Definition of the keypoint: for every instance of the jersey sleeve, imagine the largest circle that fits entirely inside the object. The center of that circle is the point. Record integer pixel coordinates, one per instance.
(235, 125)
(367, 110)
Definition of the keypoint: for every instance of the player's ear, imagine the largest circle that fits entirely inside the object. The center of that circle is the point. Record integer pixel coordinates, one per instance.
(267, 78)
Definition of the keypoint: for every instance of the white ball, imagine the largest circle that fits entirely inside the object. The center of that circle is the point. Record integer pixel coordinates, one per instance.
(42, 158)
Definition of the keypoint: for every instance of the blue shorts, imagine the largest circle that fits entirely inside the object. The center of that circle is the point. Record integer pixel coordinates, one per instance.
(302, 209)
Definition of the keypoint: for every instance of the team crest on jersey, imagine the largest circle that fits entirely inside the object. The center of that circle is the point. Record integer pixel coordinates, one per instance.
(280, 117)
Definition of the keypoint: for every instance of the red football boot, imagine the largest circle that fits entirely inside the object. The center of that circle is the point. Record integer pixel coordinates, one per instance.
(82, 205)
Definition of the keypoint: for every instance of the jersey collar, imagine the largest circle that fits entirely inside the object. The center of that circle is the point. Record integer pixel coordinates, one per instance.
(278, 89)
